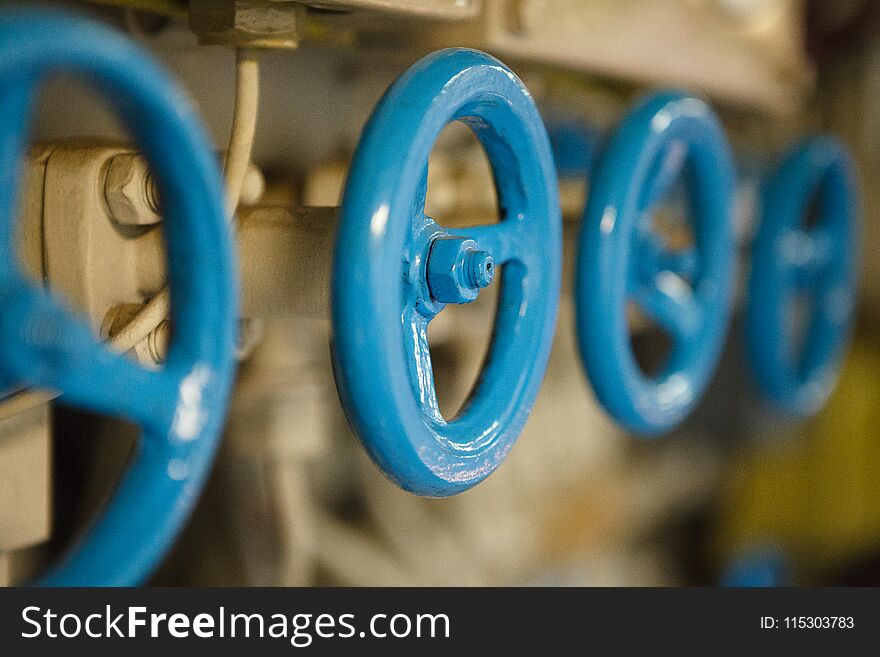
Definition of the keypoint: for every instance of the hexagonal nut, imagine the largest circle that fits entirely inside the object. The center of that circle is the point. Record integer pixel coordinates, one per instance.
(245, 23)
(457, 269)
(130, 192)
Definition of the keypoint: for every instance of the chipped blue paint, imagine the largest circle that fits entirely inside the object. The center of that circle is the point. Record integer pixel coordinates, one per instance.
(620, 260)
(44, 345)
(381, 299)
(818, 263)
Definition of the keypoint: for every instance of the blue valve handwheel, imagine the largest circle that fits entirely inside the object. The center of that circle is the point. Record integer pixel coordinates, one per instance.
(817, 263)
(42, 344)
(575, 144)
(621, 260)
(387, 250)
(762, 566)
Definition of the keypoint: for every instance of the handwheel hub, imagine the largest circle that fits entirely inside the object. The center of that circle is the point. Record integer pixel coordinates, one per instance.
(458, 269)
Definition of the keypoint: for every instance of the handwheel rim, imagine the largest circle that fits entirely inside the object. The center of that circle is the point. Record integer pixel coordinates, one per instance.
(381, 305)
(181, 407)
(630, 179)
(820, 261)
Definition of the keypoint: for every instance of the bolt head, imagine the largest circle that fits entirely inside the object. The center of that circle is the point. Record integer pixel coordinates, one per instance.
(128, 189)
(245, 23)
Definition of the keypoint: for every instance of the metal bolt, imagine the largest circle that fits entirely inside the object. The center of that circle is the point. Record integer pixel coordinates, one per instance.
(457, 270)
(479, 269)
(131, 192)
(157, 342)
(151, 350)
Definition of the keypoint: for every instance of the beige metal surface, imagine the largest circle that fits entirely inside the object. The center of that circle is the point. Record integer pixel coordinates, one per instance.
(753, 59)
(748, 54)
(93, 261)
(30, 229)
(96, 229)
(437, 9)
(286, 259)
(25, 479)
(852, 109)
(246, 23)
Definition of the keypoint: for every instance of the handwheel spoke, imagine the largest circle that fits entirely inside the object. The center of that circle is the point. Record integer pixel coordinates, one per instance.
(665, 172)
(653, 257)
(671, 304)
(421, 368)
(823, 252)
(648, 251)
(807, 254)
(682, 262)
(56, 351)
(499, 239)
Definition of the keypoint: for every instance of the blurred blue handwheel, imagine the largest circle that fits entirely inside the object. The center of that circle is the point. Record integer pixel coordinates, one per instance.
(181, 407)
(803, 279)
(622, 261)
(395, 269)
(761, 566)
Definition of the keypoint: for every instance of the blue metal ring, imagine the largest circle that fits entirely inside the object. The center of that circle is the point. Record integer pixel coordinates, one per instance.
(43, 344)
(622, 260)
(381, 301)
(817, 263)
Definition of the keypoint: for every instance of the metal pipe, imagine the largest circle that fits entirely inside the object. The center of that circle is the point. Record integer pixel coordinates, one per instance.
(286, 260)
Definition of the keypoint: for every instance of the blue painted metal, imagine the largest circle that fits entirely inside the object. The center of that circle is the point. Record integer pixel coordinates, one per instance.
(575, 144)
(381, 301)
(665, 138)
(758, 567)
(817, 263)
(457, 270)
(43, 344)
